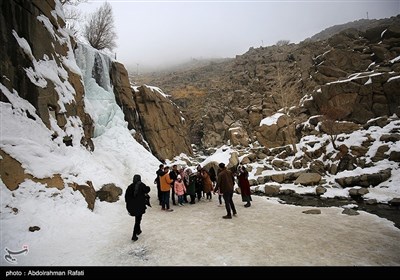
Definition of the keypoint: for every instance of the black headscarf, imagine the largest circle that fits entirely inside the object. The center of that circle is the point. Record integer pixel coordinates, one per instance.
(136, 182)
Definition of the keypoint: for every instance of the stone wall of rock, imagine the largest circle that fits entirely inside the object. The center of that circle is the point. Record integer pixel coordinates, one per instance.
(36, 22)
(124, 97)
(157, 121)
(161, 123)
(359, 74)
(34, 42)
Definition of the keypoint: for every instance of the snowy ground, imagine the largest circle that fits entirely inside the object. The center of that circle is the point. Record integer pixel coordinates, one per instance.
(266, 234)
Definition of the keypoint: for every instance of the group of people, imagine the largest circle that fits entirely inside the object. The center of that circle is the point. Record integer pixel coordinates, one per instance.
(183, 183)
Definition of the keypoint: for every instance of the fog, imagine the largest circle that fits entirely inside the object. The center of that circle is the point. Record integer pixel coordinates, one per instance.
(153, 34)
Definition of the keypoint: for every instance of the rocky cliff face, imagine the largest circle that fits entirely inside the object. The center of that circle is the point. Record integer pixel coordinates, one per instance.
(159, 124)
(359, 74)
(33, 43)
(162, 123)
(355, 69)
(37, 64)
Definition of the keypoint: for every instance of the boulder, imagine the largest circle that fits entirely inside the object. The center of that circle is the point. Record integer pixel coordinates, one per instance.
(312, 211)
(272, 190)
(350, 212)
(308, 179)
(109, 193)
(320, 190)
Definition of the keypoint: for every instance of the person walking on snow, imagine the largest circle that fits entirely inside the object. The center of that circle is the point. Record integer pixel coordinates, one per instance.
(225, 183)
(135, 198)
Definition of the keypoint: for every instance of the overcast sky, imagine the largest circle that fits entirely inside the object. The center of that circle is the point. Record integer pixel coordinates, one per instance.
(155, 33)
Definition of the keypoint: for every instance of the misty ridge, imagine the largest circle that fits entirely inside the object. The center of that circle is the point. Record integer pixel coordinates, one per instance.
(181, 65)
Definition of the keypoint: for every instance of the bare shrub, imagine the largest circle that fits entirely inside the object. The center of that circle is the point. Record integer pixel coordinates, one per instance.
(99, 31)
(330, 122)
(281, 43)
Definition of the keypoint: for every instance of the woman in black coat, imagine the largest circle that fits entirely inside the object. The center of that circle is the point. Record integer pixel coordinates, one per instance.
(135, 198)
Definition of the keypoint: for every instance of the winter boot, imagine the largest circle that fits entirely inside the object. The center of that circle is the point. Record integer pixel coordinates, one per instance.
(134, 237)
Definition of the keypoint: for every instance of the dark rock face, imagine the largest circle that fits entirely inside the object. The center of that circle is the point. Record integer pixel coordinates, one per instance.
(159, 124)
(34, 22)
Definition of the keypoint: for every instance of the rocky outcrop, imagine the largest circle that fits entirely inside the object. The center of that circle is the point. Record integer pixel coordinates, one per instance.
(33, 42)
(124, 97)
(109, 193)
(12, 174)
(368, 85)
(87, 191)
(275, 134)
(162, 123)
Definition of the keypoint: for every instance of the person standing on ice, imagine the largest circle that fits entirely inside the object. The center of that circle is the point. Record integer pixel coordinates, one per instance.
(173, 174)
(216, 190)
(225, 183)
(180, 189)
(190, 181)
(135, 198)
(207, 184)
(159, 173)
(165, 186)
(244, 185)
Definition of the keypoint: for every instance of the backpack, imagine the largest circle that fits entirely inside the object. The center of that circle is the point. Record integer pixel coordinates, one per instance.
(146, 195)
(147, 199)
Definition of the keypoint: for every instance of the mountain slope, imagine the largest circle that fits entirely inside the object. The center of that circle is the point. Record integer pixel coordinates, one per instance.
(240, 93)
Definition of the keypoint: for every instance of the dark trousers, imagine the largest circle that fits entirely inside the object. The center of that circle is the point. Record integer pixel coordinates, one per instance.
(228, 198)
(136, 228)
(173, 195)
(198, 195)
(159, 193)
(165, 200)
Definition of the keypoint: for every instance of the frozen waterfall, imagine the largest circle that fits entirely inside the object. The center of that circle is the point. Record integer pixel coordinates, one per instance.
(99, 96)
